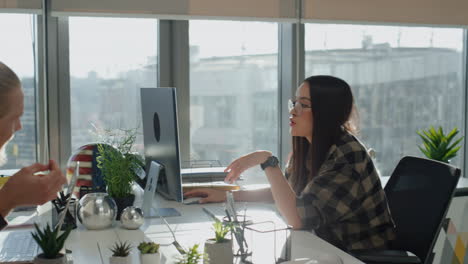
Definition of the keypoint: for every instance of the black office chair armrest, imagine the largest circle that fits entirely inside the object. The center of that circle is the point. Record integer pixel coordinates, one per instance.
(385, 256)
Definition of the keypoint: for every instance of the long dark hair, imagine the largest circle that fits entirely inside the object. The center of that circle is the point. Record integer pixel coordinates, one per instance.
(333, 114)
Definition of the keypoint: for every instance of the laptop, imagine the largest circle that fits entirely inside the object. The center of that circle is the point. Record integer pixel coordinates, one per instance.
(19, 246)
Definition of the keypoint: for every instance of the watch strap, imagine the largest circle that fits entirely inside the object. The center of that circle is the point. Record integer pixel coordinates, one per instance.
(272, 161)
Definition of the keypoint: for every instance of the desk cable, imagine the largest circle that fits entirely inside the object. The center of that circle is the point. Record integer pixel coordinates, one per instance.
(175, 243)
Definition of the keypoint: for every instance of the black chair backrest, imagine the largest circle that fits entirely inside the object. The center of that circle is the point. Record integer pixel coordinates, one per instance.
(419, 193)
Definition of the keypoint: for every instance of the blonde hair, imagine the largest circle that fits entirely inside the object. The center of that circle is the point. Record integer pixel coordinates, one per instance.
(8, 82)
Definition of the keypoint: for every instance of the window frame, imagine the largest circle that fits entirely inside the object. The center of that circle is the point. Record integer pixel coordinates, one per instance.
(173, 71)
(464, 71)
(40, 131)
(286, 86)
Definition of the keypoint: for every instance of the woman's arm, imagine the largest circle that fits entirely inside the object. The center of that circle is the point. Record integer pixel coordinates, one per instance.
(280, 190)
(211, 195)
(260, 195)
(284, 196)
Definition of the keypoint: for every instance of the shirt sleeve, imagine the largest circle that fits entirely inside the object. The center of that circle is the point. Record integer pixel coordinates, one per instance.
(331, 196)
(3, 223)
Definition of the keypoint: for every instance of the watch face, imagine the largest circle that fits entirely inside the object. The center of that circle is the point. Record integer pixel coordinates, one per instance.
(272, 161)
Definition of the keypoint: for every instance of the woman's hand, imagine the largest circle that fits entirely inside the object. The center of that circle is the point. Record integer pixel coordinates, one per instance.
(28, 188)
(209, 195)
(245, 162)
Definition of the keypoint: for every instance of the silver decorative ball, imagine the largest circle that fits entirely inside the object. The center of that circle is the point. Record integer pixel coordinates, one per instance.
(97, 211)
(132, 218)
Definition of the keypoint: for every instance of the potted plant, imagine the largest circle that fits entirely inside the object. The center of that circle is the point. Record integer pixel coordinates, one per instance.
(437, 145)
(51, 244)
(118, 165)
(192, 256)
(149, 253)
(219, 249)
(120, 253)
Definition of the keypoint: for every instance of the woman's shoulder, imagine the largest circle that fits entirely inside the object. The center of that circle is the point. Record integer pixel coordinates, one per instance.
(349, 158)
(350, 148)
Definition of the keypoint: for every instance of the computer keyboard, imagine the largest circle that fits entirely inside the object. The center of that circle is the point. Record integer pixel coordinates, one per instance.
(210, 174)
(18, 247)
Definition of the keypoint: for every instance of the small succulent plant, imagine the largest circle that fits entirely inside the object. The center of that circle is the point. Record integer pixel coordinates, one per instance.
(148, 247)
(438, 146)
(50, 241)
(221, 230)
(121, 249)
(193, 256)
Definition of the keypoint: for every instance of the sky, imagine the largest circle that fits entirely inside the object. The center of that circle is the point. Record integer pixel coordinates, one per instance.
(110, 46)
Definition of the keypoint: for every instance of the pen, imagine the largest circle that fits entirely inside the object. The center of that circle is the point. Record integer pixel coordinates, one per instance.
(210, 214)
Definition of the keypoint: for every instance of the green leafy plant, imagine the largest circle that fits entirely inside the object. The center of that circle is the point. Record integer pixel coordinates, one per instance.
(148, 247)
(437, 145)
(192, 256)
(117, 162)
(221, 230)
(50, 241)
(121, 249)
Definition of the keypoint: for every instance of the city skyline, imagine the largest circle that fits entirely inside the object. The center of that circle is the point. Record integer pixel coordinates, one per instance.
(84, 29)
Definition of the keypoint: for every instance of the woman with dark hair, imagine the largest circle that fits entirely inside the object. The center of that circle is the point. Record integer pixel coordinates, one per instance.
(330, 184)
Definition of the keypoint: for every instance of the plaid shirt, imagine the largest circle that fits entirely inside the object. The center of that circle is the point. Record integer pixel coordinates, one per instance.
(345, 203)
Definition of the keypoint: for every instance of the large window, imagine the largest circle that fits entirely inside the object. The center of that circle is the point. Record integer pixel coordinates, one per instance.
(233, 89)
(18, 51)
(110, 60)
(404, 79)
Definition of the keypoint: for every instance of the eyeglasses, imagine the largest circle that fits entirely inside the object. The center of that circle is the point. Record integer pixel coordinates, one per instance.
(297, 106)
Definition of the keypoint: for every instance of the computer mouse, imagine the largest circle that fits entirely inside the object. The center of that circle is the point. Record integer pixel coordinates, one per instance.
(192, 200)
(319, 259)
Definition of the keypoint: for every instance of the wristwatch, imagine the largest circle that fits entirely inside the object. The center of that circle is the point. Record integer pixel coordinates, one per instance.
(272, 161)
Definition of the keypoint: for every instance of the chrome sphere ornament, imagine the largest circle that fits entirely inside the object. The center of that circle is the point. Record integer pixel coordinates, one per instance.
(132, 218)
(97, 211)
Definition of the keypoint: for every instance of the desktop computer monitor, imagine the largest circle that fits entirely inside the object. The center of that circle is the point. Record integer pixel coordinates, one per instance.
(161, 138)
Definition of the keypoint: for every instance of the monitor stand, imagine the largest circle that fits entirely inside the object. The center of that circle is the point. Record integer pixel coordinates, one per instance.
(164, 212)
(148, 198)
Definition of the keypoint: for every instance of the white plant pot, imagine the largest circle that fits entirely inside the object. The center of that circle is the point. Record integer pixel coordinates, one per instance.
(120, 260)
(219, 253)
(40, 260)
(154, 258)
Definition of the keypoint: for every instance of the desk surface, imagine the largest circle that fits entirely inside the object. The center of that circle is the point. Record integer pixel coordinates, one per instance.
(193, 226)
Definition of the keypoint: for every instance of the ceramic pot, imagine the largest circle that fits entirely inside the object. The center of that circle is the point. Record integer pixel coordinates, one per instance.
(39, 259)
(219, 253)
(154, 258)
(120, 260)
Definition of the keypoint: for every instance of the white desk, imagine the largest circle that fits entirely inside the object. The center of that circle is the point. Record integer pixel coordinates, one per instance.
(194, 226)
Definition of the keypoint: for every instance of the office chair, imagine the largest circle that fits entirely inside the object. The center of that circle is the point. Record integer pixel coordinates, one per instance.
(419, 193)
